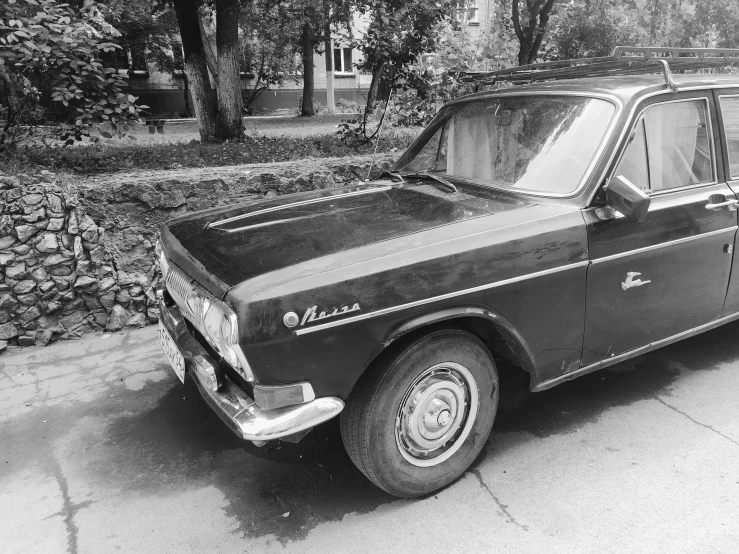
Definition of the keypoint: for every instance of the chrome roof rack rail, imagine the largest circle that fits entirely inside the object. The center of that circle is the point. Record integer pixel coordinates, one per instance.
(625, 60)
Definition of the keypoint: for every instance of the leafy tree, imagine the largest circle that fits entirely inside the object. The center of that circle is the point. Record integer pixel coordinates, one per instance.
(51, 68)
(269, 45)
(399, 32)
(151, 28)
(721, 17)
(586, 28)
(530, 26)
(594, 28)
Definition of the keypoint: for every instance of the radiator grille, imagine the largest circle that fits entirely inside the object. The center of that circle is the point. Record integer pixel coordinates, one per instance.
(179, 286)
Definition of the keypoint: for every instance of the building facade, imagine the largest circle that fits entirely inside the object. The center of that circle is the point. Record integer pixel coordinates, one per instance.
(165, 93)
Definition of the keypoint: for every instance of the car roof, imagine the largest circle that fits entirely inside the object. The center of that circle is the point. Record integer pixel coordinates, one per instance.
(625, 87)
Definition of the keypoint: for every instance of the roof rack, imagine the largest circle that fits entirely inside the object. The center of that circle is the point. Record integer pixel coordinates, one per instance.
(624, 60)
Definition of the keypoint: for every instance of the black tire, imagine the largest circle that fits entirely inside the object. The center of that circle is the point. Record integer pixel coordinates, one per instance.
(371, 423)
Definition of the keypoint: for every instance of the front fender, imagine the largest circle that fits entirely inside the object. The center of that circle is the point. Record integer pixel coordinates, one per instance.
(492, 328)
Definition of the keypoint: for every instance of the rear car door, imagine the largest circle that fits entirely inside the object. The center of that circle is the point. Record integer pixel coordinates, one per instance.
(728, 109)
(654, 279)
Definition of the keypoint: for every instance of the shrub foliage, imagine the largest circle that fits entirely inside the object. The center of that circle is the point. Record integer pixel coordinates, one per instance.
(52, 70)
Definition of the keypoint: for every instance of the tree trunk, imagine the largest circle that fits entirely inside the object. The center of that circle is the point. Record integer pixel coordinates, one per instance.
(374, 86)
(531, 37)
(329, 49)
(209, 43)
(186, 94)
(308, 83)
(195, 66)
(230, 102)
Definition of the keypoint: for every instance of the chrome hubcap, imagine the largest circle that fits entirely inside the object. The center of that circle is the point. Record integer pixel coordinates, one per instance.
(436, 414)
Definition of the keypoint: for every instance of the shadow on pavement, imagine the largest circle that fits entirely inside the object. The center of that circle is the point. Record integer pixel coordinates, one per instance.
(569, 406)
(164, 437)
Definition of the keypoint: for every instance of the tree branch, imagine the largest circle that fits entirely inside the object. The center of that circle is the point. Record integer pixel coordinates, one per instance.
(515, 17)
(540, 30)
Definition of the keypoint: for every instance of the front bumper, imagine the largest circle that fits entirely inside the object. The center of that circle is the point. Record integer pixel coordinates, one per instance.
(232, 404)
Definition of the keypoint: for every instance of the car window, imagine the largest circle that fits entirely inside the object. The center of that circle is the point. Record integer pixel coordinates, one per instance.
(426, 159)
(541, 143)
(730, 112)
(634, 165)
(671, 147)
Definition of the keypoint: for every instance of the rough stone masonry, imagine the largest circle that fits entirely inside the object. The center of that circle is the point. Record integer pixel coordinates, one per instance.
(58, 278)
(78, 257)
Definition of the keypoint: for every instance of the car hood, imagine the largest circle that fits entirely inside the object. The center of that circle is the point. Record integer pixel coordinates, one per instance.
(223, 247)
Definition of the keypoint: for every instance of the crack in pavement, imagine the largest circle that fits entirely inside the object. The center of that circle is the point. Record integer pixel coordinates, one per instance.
(69, 510)
(502, 508)
(673, 408)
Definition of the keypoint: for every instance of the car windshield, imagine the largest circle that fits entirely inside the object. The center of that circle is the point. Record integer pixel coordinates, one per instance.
(541, 143)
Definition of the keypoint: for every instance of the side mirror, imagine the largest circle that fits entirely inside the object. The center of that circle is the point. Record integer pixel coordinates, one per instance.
(625, 197)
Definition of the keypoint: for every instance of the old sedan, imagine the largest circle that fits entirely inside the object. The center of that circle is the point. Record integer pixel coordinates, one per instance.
(564, 226)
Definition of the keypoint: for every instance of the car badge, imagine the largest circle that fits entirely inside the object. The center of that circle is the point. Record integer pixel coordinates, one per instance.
(630, 282)
(311, 314)
(291, 319)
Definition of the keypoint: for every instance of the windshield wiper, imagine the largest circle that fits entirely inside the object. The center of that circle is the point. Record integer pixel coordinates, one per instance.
(394, 175)
(432, 177)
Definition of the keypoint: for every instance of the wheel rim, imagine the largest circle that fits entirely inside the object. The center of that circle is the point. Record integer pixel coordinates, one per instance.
(436, 414)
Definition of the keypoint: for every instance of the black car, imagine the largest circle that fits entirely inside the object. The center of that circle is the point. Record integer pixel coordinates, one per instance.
(563, 225)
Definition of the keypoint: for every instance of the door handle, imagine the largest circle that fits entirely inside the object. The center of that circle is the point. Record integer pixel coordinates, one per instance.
(731, 204)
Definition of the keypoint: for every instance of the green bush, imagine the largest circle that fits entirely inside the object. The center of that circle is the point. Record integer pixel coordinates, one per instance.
(52, 71)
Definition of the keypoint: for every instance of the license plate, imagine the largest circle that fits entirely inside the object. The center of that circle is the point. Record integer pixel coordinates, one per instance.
(175, 357)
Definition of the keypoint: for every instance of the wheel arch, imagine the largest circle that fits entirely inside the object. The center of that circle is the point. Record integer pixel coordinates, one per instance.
(492, 329)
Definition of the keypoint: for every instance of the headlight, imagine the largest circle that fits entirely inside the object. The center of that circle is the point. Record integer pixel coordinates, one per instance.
(215, 320)
(218, 324)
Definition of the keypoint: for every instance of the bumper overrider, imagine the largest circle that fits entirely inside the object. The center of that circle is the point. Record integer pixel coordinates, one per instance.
(239, 411)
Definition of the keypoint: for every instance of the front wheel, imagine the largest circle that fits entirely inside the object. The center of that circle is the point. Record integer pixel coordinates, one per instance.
(421, 415)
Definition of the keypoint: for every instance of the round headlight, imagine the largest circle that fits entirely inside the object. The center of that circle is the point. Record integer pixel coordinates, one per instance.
(197, 304)
(220, 331)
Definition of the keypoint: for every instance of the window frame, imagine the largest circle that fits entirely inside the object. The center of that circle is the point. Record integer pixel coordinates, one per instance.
(474, 12)
(466, 12)
(343, 70)
(602, 149)
(725, 136)
(709, 132)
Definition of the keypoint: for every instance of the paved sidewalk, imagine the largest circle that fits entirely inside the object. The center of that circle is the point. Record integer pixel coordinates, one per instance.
(102, 450)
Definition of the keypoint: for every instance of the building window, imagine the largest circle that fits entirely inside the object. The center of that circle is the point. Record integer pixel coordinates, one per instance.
(465, 11)
(343, 60)
(138, 68)
(117, 59)
(178, 58)
(245, 69)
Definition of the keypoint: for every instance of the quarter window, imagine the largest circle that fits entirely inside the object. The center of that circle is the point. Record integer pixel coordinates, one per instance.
(670, 147)
(730, 113)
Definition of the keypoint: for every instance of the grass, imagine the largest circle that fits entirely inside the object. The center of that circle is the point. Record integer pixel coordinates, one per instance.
(267, 140)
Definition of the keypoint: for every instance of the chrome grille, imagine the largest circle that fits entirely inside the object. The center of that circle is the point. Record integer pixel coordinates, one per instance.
(179, 286)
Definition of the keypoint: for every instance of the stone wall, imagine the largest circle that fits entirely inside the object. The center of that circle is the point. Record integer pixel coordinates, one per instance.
(77, 256)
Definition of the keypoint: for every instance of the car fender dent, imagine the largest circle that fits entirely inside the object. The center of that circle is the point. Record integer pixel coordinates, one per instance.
(496, 331)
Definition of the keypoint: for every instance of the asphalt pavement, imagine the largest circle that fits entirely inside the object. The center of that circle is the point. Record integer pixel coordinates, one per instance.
(103, 450)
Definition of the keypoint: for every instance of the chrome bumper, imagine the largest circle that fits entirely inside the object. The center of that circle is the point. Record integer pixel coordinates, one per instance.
(232, 404)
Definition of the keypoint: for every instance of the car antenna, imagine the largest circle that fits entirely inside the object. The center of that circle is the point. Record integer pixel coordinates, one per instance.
(379, 133)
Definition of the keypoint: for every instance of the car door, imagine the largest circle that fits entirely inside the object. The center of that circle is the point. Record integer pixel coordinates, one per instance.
(728, 109)
(651, 280)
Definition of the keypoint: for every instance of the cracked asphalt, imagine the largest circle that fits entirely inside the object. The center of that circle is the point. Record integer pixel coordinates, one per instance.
(103, 450)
